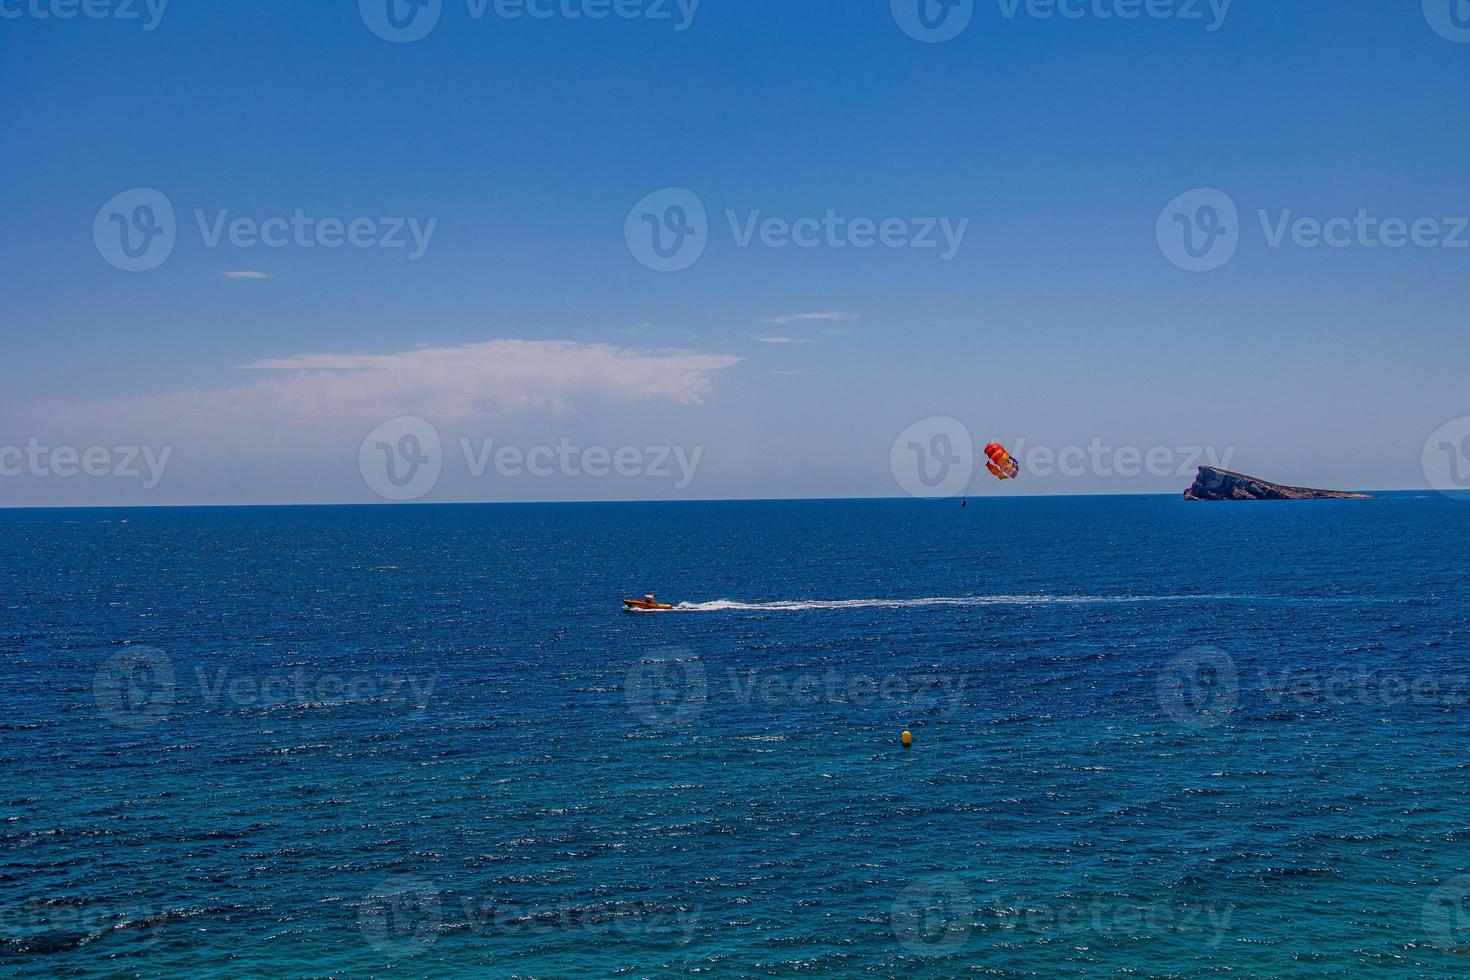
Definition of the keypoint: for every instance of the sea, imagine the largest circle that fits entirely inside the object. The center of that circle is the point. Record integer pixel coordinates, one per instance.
(1147, 738)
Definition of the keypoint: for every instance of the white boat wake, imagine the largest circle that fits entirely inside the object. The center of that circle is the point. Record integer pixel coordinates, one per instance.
(802, 605)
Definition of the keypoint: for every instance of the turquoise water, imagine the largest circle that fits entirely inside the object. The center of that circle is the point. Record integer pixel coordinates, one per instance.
(1149, 736)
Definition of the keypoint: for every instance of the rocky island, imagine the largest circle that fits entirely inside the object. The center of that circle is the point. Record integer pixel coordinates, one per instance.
(1218, 484)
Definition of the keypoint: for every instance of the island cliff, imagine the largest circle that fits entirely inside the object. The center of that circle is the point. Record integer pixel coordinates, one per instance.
(1218, 484)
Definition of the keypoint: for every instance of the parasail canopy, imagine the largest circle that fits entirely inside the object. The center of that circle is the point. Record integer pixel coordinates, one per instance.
(1000, 463)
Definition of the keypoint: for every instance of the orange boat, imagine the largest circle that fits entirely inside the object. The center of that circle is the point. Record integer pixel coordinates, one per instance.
(647, 604)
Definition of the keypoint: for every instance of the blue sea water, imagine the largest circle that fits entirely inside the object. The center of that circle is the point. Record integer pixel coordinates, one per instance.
(1149, 737)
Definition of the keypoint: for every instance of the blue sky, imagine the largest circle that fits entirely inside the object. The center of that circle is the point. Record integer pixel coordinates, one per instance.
(522, 145)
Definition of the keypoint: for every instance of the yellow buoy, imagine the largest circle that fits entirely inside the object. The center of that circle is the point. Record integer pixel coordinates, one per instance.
(907, 738)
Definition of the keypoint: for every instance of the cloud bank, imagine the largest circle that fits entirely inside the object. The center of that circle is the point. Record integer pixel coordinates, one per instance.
(808, 317)
(498, 378)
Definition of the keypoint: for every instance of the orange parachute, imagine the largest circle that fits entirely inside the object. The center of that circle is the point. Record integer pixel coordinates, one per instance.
(999, 462)
(1001, 465)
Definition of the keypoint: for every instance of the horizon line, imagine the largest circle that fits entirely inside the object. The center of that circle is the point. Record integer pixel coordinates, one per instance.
(700, 500)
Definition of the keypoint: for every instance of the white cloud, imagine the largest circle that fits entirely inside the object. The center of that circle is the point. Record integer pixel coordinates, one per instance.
(247, 274)
(807, 317)
(768, 339)
(498, 377)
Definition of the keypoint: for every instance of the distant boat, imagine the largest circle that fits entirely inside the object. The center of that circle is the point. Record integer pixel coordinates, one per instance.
(647, 604)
